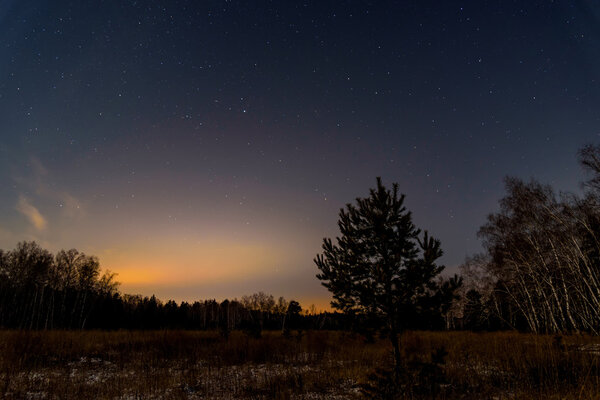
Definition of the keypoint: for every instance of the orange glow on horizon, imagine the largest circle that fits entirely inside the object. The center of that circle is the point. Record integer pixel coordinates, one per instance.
(172, 264)
(193, 268)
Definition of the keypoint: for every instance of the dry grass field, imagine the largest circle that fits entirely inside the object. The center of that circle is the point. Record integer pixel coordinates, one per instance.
(314, 365)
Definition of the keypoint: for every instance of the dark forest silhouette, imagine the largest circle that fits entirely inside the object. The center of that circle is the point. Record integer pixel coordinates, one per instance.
(540, 272)
(39, 290)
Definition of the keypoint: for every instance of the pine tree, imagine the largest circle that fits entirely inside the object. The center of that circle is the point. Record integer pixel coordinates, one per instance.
(381, 266)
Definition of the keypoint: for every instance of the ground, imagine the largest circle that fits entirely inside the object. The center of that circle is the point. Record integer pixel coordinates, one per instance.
(305, 365)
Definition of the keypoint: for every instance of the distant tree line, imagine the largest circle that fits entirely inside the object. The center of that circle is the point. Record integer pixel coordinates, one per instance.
(39, 290)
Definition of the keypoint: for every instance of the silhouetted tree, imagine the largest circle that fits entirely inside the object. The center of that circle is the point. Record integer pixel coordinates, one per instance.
(294, 308)
(291, 315)
(544, 254)
(380, 265)
(589, 159)
(224, 319)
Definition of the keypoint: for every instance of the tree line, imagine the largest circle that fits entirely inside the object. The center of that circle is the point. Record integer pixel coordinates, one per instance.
(67, 290)
(539, 272)
(540, 269)
(39, 290)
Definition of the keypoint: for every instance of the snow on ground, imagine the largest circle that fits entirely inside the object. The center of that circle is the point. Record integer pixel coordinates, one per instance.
(199, 381)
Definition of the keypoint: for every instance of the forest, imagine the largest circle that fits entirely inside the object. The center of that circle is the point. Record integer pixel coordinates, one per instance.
(42, 291)
(541, 268)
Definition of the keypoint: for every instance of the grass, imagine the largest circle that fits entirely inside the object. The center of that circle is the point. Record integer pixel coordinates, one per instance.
(315, 365)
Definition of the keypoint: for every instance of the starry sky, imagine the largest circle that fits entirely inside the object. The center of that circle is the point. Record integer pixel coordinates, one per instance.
(203, 149)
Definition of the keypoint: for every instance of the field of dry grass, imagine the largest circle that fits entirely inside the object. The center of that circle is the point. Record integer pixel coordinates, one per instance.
(315, 365)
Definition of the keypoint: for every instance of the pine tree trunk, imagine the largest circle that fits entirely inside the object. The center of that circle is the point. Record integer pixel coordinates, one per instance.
(397, 358)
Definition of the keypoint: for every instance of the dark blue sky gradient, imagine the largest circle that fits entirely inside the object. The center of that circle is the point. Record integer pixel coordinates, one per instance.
(255, 121)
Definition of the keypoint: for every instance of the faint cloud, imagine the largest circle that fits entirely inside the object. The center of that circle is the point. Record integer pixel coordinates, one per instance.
(37, 167)
(34, 216)
(71, 206)
(40, 183)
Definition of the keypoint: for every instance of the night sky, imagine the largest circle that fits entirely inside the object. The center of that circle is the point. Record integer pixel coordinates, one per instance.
(203, 149)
